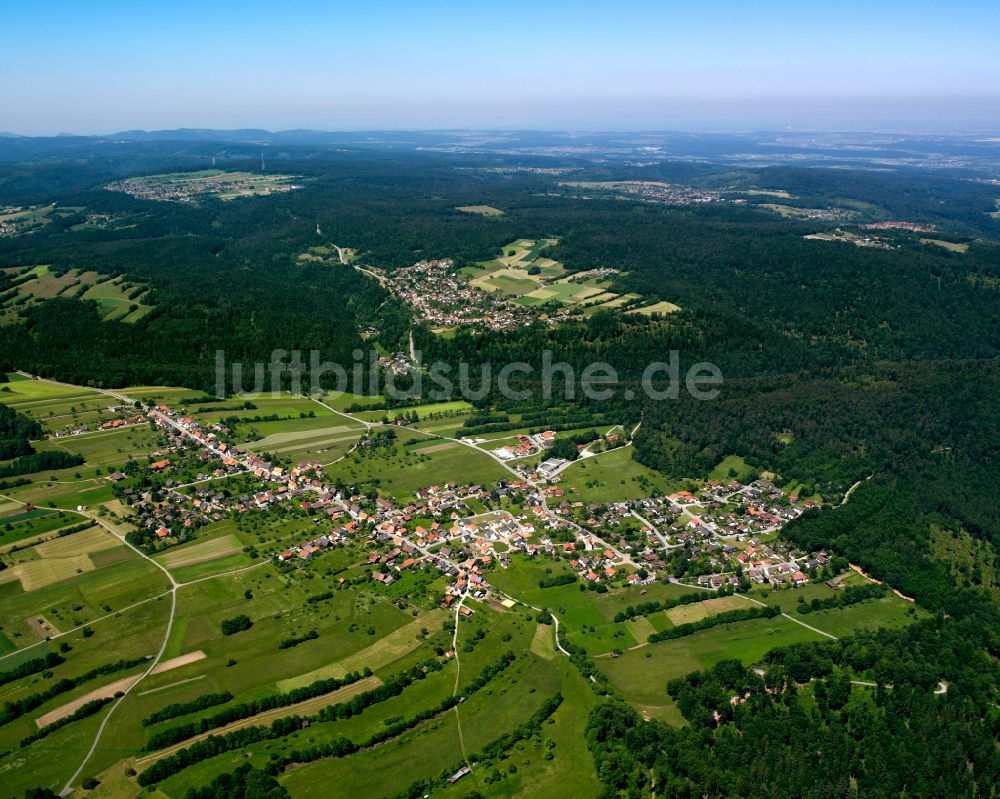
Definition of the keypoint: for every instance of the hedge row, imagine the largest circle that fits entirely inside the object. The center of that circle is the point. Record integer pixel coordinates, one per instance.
(338, 747)
(183, 708)
(88, 709)
(245, 710)
(50, 661)
(646, 608)
(13, 710)
(714, 621)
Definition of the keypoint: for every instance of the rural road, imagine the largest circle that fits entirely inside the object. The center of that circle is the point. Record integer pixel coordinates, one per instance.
(802, 623)
(847, 494)
(458, 672)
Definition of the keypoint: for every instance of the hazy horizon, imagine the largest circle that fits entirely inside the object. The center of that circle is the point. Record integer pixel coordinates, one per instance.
(102, 67)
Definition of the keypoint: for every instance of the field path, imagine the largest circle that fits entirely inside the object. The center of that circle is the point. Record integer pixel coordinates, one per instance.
(802, 623)
(847, 494)
(458, 672)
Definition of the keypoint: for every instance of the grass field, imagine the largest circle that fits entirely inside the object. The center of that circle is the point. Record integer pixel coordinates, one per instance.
(17, 525)
(686, 614)
(951, 246)
(662, 307)
(613, 476)
(383, 652)
(732, 467)
(436, 746)
(398, 471)
(25, 392)
(324, 444)
(111, 447)
(35, 574)
(482, 210)
(888, 611)
(190, 554)
(94, 539)
(642, 674)
(65, 491)
(422, 411)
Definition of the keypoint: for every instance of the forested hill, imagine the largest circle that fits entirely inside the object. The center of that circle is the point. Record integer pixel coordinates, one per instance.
(755, 296)
(927, 434)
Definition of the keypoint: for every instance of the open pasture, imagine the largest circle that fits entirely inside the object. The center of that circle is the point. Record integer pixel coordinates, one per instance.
(35, 574)
(386, 650)
(732, 467)
(63, 490)
(423, 412)
(281, 405)
(951, 246)
(642, 674)
(170, 395)
(400, 469)
(293, 438)
(18, 393)
(18, 525)
(435, 745)
(613, 476)
(348, 623)
(94, 539)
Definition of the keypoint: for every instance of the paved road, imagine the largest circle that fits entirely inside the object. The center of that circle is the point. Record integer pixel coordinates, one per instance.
(666, 547)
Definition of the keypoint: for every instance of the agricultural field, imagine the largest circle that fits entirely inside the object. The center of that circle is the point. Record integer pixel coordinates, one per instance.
(662, 307)
(888, 611)
(189, 187)
(91, 599)
(66, 583)
(116, 298)
(430, 412)
(107, 446)
(524, 274)
(18, 525)
(27, 395)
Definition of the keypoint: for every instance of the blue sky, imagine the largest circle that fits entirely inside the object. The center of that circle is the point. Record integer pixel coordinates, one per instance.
(97, 66)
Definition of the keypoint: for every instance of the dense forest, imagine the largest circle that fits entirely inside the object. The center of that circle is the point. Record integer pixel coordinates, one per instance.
(17, 456)
(801, 729)
(755, 295)
(16, 432)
